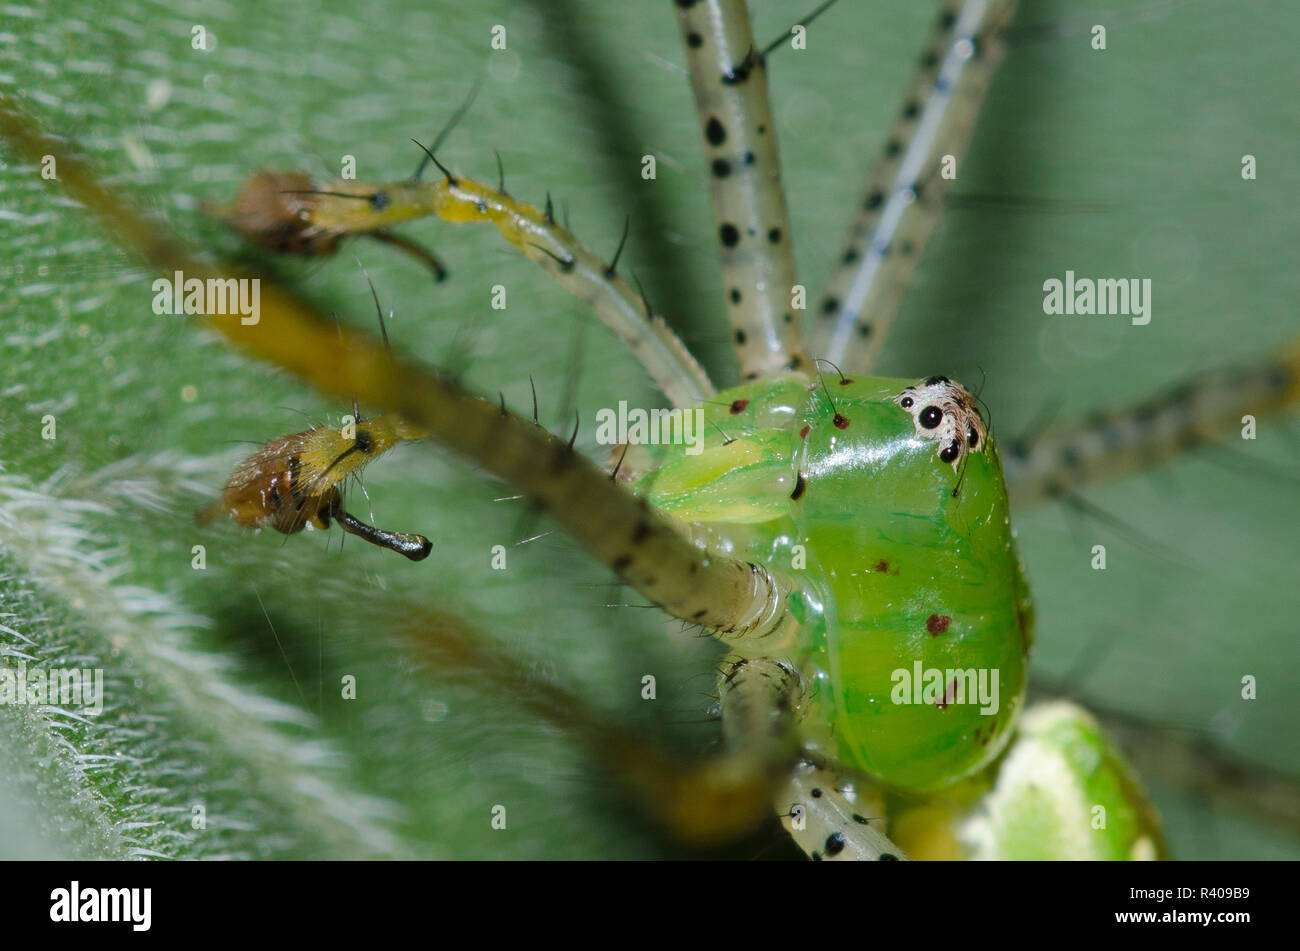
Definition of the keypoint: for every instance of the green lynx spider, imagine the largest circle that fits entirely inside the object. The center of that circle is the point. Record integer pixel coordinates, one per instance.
(730, 597)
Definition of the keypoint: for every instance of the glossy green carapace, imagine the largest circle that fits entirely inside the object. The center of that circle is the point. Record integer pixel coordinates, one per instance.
(914, 620)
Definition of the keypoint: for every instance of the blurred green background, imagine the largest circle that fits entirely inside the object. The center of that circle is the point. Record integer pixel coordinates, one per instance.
(224, 684)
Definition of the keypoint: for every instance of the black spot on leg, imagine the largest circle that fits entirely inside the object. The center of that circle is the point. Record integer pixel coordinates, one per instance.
(930, 60)
(816, 792)
(714, 131)
(911, 110)
(699, 614)
(735, 295)
(363, 441)
(888, 857)
(831, 305)
(721, 168)
(874, 200)
(864, 330)
(621, 563)
(640, 532)
(694, 40)
(774, 235)
(747, 158)
(893, 147)
(730, 236)
(800, 486)
(740, 338)
(835, 843)
(860, 820)
(850, 256)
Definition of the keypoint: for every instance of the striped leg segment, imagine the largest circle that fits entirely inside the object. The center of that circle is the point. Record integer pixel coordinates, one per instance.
(730, 83)
(1062, 459)
(904, 196)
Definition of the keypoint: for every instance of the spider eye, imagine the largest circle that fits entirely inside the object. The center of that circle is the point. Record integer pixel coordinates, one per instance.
(951, 451)
(930, 417)
(906, 402)
(972, 437)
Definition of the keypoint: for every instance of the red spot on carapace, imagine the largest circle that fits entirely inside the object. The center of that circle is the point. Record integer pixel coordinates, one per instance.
(738, 407)
(803, 433)
(841, 422)
(882, 566)
(937, 624)
(949, 695)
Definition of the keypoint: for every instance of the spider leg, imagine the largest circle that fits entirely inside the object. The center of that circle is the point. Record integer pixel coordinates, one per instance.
(760, 703)
(1059, 460)
(537, 236)
(700, 802)
(903, 200)
(734, 599)
(730, 82)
